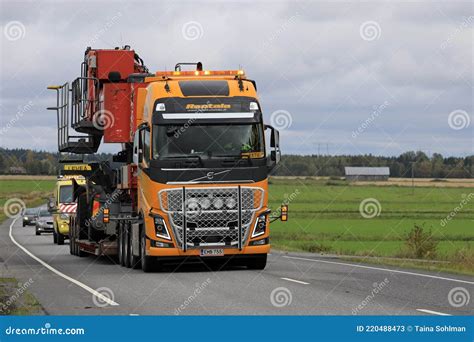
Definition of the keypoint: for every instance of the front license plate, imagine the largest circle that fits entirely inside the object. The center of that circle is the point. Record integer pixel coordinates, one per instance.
(212, 252)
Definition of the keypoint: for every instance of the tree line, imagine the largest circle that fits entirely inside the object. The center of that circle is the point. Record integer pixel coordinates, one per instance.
(30, 162)
(26, 161)
(423, 166)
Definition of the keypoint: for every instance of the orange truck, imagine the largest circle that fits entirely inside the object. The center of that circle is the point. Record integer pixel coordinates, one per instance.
(191, 180)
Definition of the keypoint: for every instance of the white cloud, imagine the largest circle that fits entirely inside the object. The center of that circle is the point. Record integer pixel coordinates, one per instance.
(308, 58)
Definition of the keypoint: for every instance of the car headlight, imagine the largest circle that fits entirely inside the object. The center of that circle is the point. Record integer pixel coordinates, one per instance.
(218, 203)
(230, 202)
(64, 216)
(160, 228)
(260, 226)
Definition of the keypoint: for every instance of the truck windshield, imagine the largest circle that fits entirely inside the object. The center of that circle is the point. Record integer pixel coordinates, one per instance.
(65, 194)
(212, 141)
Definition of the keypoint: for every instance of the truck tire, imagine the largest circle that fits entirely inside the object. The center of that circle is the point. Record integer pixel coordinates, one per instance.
(257, 262)
(135, 262)
(121, 245)
(126, 247)
(60, 239)
(148, 263)
(55, 238)
(71, 242)
(37, 232)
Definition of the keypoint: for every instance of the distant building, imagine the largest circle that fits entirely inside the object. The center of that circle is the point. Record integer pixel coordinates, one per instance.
(16, 170)
(367, 173)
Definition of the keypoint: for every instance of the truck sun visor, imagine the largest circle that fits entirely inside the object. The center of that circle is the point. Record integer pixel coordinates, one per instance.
(204, 88)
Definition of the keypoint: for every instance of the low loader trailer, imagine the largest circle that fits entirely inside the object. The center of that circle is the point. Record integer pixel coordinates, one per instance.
(191, 178)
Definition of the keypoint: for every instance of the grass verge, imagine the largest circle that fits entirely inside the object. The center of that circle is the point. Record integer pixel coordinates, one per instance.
(15, 299)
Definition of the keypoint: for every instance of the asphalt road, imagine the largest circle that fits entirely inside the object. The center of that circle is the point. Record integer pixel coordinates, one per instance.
(291, 284)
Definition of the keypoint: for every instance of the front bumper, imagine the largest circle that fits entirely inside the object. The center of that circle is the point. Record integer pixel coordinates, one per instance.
(177, 252)
(45, 227)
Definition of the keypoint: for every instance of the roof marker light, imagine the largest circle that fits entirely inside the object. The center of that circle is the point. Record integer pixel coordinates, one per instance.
(207, 72)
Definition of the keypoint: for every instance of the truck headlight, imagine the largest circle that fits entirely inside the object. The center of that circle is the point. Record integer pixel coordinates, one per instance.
(260, 226)
(230, 202)
(205, 203)
(218, 203)
(160, 228)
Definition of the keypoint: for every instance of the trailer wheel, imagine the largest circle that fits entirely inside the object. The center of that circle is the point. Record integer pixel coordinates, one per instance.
(71, 242)
(148, 263)
(72, 245)
(257, 262)
(74, 231)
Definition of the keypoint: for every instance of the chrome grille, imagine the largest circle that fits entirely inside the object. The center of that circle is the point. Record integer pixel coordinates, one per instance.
(212, 215)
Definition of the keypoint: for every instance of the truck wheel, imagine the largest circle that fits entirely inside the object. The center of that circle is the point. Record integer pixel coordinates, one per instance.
(60, 239)
(37, 232)
(127, 249)
(147, 262)
(121, 245)
(257, 263)
(55, 238)
(71, 242)
(134, 259)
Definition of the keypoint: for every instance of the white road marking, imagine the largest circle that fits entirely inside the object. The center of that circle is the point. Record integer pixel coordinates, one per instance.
(52, 269)
(296, 281)
(433, 312)
(382, 269)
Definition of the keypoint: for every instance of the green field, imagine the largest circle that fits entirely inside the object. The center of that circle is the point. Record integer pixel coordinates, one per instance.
(32, 192)
(326, 218)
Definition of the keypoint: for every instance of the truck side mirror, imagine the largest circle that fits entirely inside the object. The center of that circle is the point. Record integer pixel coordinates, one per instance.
(135, 148)
(275, 154)
(51, 205)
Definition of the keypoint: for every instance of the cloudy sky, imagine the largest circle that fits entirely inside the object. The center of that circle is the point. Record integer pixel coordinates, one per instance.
(338, 77)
